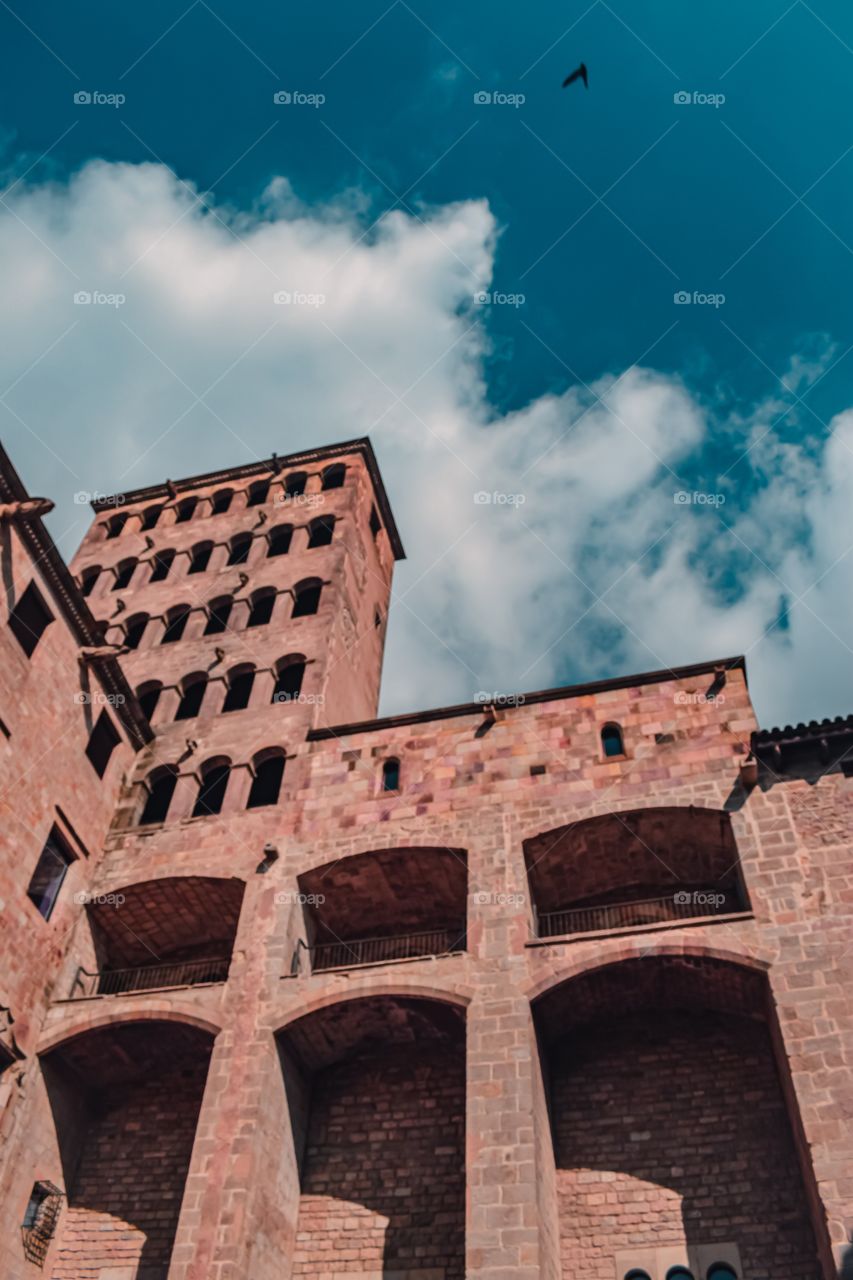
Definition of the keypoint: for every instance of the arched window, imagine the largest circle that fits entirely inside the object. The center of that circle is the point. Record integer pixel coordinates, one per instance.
(721, 1271)
(391, 775)
(288, 681)
(211, 791)
(611, 740)
(240, 681)
(295, 484)
(149, 695)
(134, 630)
(218, 613)
(239, 547)
(279, 540)
(258, 493)
(124, 573)
(160, 787)
(262, 603)
(320, 531)
(199, 557)
(306, 597)
(185, 510)
(221, 501)
(116, 523)
(333, 477)
(192, 696)
(679, 1273)
(636, 1274)
(268, 769)
(150, 516)
(88, 578)
(161, 564)
(176, 621)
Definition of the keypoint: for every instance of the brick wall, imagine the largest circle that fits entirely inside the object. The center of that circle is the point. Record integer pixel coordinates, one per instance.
(123, 1209)
(671, 1130)
(384, 1179)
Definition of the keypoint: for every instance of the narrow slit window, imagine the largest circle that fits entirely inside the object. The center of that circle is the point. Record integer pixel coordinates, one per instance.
(391, 775)
(29, 619)
(103, 741)
(54, 860)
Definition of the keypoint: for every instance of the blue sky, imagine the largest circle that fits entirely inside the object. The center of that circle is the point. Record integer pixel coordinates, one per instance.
(602, 206)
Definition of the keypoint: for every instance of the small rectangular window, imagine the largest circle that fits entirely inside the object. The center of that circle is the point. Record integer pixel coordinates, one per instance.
(103, 740)
(29, 618)
(54, 860)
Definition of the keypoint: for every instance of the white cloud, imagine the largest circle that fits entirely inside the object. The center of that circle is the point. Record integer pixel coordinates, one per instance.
(497, 595)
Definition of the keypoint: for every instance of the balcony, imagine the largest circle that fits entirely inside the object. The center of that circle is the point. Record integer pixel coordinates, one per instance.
(182, 973)
(637, 913)
(403, 946)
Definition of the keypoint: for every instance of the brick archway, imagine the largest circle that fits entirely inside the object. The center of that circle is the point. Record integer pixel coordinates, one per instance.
(78, 1022)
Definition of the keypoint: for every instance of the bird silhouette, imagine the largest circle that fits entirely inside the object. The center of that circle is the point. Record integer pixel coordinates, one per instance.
(580, 73)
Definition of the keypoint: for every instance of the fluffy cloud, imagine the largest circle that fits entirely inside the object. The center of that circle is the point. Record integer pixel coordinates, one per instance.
(581, 562)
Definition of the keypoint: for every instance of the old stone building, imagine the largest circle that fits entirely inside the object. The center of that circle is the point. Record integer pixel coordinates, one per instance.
(554, 986)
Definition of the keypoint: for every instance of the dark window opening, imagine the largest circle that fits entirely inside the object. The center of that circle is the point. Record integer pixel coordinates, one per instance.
(295, 484)
(221, 502)
(29, 619)
(150, 516)
(288, 684)
(279, 540)
(679, 1273)
(320, 531)
(239, 691)
(306, 599)
(211, 793)
(116, 524)
(161, 788)
(176, 621)
(240, 546)
(54, 860)
(161, 564)
(611, 740)
(721, 1271)
(262, 607)
(258, 493)
(184, 510)
(266, 783)
(391, 775)
(149, 696)
(218, 614)
(40, 1219)
(333, 477)
(134, 630)
(124, 573)
(191, 699)
(200, 556)
(375, 522)
(103, 741)
(88, 579)
(377, 619)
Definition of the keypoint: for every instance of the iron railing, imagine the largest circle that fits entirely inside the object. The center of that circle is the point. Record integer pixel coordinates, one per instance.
(353, 952)
(181, 973)
(625, 915)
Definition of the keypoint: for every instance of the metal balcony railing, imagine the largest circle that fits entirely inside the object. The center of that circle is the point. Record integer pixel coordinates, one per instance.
(180, 973)
(352, 952)
(625, 915)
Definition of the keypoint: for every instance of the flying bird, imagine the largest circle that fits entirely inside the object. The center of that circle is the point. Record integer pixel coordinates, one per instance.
(580, 73)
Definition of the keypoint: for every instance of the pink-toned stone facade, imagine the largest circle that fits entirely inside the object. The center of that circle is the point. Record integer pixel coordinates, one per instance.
(408, 1030)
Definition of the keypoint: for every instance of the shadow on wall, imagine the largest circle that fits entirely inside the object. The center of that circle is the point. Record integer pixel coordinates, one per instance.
(125, 1102)
(376, 1092)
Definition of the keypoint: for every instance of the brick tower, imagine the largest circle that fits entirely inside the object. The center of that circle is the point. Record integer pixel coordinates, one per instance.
(558, 987)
